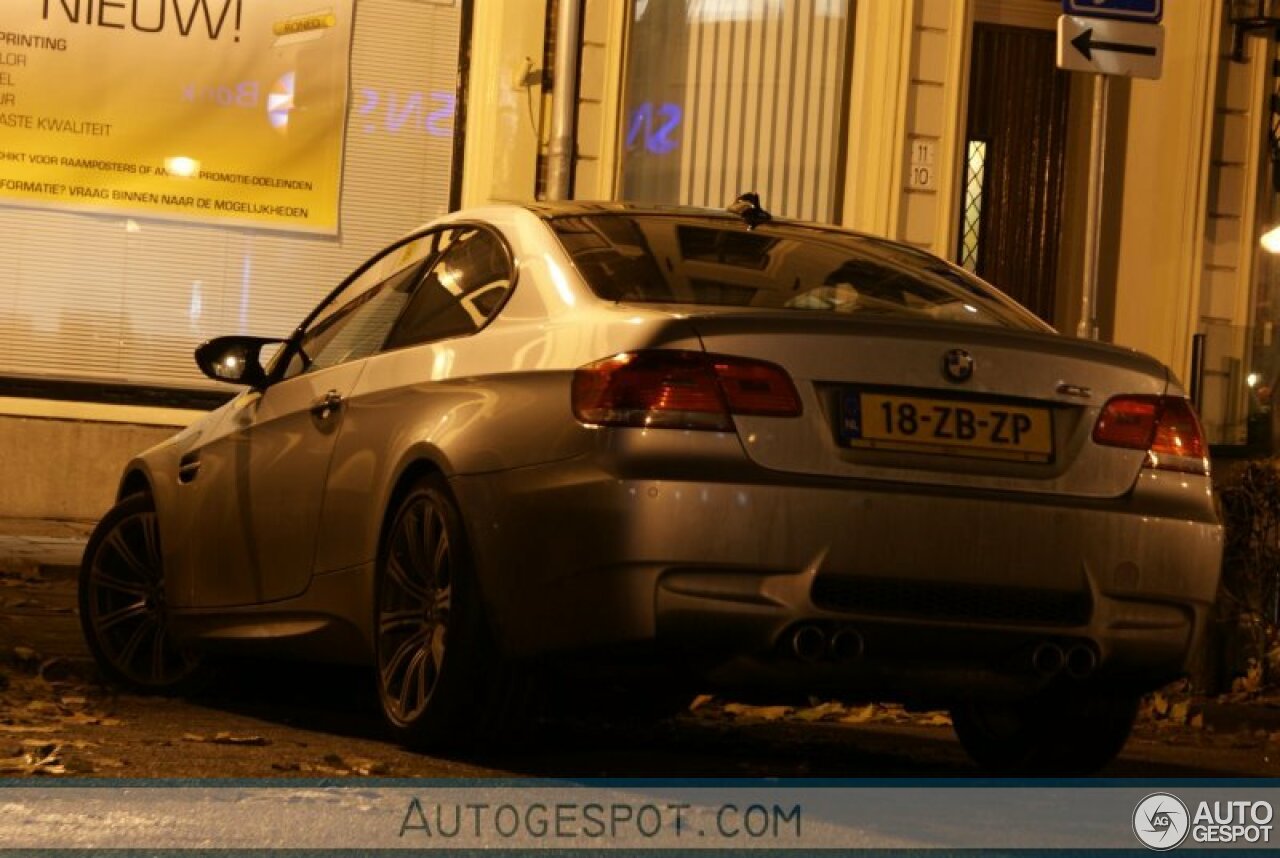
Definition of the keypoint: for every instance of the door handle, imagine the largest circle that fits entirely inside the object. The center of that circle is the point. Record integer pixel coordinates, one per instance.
(326, 405)
(189, 468)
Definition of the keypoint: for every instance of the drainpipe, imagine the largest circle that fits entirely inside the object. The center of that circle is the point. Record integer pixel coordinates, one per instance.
(564, 94)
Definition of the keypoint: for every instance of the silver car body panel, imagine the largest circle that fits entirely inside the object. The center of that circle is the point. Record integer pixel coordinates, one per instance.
(586, 537)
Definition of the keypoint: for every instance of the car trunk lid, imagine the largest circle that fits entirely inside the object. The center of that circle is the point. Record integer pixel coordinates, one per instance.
(880, 404)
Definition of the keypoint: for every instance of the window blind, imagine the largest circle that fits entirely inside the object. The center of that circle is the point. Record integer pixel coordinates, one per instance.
(103, 297)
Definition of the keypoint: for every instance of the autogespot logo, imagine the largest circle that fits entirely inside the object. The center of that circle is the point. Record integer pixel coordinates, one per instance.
(1160, 821)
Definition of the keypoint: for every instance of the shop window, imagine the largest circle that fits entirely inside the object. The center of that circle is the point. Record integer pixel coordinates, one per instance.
(727, 96)
(107, 299)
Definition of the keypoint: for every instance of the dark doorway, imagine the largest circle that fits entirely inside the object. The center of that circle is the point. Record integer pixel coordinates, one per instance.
(1016, 151)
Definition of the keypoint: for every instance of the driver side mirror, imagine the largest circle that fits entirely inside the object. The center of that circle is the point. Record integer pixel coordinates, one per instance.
(235, 359)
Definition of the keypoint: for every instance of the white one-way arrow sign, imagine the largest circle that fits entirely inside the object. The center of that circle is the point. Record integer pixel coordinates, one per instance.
(1110, 47)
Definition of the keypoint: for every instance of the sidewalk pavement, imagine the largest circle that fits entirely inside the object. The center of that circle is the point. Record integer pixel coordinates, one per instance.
(52, 547)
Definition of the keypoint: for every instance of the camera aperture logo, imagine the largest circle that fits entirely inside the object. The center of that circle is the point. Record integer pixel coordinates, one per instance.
(1160, 821)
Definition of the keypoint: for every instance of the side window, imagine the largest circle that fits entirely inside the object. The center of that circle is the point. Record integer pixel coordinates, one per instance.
(463, 289)
(355, 324)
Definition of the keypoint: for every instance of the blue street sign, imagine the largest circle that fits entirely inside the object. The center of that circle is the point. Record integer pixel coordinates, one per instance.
(1146, 11)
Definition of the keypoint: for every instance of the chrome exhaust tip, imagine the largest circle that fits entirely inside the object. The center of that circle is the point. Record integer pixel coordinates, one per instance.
(846, 645)
(809, 643)
(1047, 659)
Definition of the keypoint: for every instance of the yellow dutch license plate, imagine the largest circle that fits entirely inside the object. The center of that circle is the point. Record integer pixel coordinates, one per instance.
(890, 421)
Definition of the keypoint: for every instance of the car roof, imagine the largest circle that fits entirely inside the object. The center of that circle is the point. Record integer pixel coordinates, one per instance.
(571, 208)
(550, 210)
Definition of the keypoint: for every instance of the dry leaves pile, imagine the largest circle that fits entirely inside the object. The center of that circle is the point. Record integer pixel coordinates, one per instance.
(818, 711)
(43, 702)
(1171, 706)
(333, 765)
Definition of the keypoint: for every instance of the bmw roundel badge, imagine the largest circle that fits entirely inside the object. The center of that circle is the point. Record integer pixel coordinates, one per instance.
(958, 365)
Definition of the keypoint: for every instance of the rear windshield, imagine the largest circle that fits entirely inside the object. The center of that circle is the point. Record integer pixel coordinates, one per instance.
(714, 261)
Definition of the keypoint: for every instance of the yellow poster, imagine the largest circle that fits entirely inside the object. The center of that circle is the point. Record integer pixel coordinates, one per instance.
(215, 111)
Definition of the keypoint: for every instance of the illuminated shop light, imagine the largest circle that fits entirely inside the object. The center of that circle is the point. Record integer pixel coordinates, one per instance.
(1271, 240)
(181, 166)
(280, 101)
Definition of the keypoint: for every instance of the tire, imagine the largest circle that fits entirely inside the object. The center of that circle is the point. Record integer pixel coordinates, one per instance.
(440, 681)
(123, 610)
(1062, 736)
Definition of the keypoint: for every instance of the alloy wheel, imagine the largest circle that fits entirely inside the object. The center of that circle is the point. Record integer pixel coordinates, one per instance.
(124, 604)
(414, 605)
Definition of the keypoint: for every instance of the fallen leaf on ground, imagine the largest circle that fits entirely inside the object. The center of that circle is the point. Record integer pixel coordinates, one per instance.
(357, 765)
(27, 728)
(229, 739)
(700, 701)
(935, 719)
(766, 713)
(860, 715)
(830, 709)
(109, 762)
(41, 758)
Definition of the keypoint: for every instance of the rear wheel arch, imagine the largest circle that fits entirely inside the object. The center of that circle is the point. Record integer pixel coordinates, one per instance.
(426, 463)
(410, 473)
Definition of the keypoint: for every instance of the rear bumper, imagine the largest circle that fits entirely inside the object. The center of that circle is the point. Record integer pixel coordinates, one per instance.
(946, 589)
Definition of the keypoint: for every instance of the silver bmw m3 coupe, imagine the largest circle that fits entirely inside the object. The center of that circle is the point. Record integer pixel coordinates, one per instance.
(692, 449)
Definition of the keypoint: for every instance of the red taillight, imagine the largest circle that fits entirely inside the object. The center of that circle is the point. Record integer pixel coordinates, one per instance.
(680, 390)
(1165, 426)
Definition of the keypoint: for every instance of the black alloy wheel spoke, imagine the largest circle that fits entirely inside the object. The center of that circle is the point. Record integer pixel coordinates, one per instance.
(151, 537)
(403, 653)
(414, 677)
(437, 647)
(129, 651)
(120, 547)
(442, 601)
(440, 563)
(414, 530)
(103, 580)
(132, 611)
(157, 655)
(403, 580)
(433, 534)
(390, 621)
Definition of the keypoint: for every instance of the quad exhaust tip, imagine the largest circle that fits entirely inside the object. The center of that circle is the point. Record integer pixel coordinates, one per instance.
(811, 643)
(1048, 658)
(1081, 661)
(846, 644)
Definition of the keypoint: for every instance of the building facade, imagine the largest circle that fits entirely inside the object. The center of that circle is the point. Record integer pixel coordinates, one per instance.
(942, 123)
